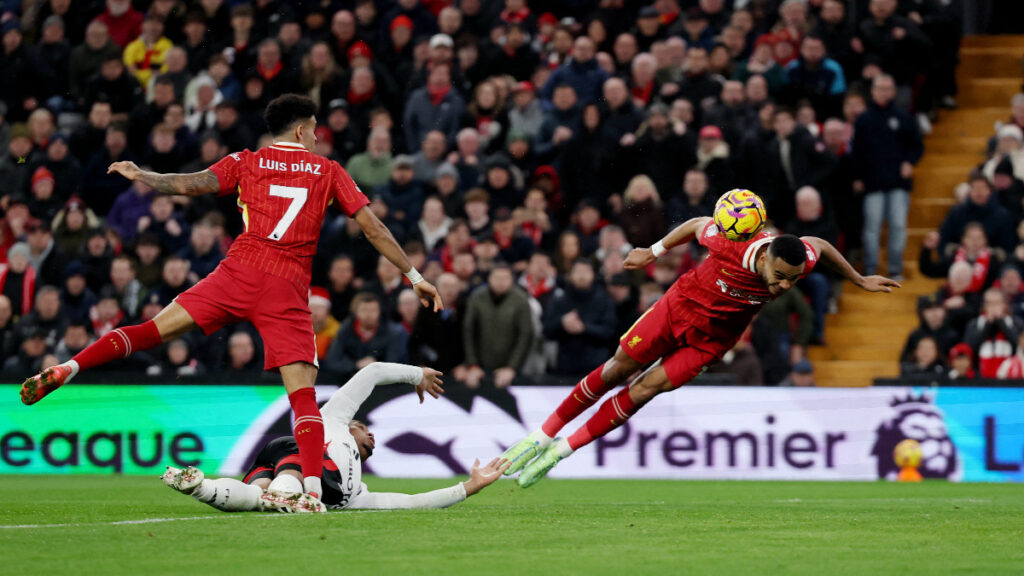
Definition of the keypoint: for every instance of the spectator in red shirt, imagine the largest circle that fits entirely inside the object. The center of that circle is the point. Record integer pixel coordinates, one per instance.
(123, 21)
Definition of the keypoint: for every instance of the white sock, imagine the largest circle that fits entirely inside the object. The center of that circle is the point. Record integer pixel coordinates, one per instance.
(228, 494)
(286, 483)
(562, 448)
(74, 369)
(311, 484)
(539, 436)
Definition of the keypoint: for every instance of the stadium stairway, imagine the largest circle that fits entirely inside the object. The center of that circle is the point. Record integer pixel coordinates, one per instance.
(866, 336)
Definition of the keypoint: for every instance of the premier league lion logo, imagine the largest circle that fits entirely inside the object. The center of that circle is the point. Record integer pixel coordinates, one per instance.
(919, 419)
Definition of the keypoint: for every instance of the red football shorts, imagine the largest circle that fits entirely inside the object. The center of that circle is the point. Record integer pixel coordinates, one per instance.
(279, 309)
(685, 351)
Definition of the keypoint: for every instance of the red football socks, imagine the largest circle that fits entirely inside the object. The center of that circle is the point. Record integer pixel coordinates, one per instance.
(588, 391)
(612, 414)
(309, 431)
(117, 344)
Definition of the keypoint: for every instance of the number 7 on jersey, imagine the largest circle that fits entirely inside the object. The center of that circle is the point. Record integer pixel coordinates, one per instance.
(298, 197)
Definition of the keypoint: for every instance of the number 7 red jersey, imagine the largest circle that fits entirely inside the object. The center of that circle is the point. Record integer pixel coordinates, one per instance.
(283, 193)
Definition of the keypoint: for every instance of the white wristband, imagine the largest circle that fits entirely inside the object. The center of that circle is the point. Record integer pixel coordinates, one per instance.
(414, 276)
(658, 249)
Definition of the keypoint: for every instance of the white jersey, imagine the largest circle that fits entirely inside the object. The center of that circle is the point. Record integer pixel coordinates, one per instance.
(344, 452)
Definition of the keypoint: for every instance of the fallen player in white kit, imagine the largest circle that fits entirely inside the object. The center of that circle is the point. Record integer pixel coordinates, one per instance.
(274, 482)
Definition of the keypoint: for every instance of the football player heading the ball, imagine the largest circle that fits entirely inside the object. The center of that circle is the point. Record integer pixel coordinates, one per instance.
(698, 320)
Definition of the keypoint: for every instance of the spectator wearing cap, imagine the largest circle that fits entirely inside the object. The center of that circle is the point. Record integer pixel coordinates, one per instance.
(76, 297)
(581, 72)
(502, 183)
(1009, 189)
(396, 52)
(431, 155)
(961, 363)
(15, 177)
(18, 279)
(582, 320)
(42, 203)
(1009, 147)
(762, 62)
(325, 325)
(372, 168)
(419, 17)
(434, 107)
(402, 193)
(982, 206)
(66, 169)
(55, 51)
(446, 184)
(648, 29)
(526, 115)
(992, 335)
(25, 78)
(801, 375)
(71, 226)
(886, 146)
(713, 158)
(145, 55)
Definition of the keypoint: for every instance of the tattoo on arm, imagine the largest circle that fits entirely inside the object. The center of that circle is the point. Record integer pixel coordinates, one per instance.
(194, 184)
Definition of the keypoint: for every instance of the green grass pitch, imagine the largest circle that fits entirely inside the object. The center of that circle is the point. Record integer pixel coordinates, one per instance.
(134, 525)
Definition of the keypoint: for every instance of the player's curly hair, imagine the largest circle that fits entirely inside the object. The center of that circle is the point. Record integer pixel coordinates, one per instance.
(284, 111)
(789, 248)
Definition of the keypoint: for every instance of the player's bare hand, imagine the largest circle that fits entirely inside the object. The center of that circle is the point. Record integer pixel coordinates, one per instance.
(427, 293)
(431, 384)
(126, 168)
(879, 284)
(482, 477)
(638, 259)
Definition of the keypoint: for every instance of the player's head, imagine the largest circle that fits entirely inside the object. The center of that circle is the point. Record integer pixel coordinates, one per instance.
(363, 437)
(292, 117)
(783, 263)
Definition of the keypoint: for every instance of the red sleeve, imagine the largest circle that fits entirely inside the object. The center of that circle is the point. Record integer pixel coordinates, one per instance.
(708, 234)
(812, 259)
(350, 198)
(228, 170)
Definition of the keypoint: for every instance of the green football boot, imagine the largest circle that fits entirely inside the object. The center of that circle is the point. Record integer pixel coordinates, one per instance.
(540, 467)
(520, 454)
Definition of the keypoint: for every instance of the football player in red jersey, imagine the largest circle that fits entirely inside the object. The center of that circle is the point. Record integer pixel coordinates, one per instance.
(284, 191)
(692, 326)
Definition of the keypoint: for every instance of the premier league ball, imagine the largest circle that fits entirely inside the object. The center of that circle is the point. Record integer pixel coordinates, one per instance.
(907, 454)
(739, 214)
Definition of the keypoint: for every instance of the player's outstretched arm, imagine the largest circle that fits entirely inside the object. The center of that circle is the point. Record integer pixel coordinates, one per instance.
(382, 239)
(480, 477)
(641, 257)
(345, 402)
(831, 257)
(194, 184)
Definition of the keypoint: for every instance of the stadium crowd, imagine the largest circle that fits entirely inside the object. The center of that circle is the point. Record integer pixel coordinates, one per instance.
(973, 327)
(517, 149)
